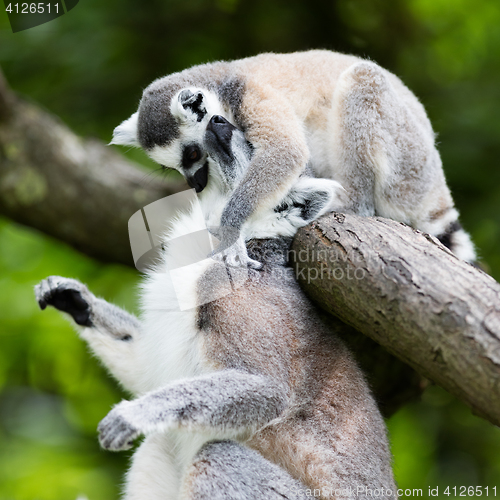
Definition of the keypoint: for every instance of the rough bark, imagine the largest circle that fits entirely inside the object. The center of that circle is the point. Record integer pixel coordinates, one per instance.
(77, 190)
(406, 291)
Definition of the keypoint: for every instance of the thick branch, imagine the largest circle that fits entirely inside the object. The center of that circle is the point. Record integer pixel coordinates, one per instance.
(406, 291)
(79, 191)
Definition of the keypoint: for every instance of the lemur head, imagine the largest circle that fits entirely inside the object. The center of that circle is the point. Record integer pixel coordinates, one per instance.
(170, 126)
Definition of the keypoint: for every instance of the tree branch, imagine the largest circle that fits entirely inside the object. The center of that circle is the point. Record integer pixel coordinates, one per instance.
(406, 291)
(77, 190)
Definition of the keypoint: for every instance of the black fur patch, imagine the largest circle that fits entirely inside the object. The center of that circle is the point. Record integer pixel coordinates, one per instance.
(187, 161)
(156, 125)
(309, 208)
(305, 209)
(195, 107)
(445, 238)
(203, 317)
(282, 207)
(199, 180)
(312, 206)
(71, 302)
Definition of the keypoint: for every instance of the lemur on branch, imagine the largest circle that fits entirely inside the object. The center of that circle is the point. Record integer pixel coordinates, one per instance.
(346, 118)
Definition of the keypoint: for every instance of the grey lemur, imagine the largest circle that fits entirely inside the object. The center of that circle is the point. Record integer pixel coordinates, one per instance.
(347, 118)
(248, 396)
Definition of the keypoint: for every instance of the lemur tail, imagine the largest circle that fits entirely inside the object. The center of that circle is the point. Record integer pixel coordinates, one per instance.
(458, 241)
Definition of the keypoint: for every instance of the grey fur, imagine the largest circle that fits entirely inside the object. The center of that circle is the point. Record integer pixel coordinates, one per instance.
(224, 470)
(156, 124)
(326, 392)
(266, 372)
(288, 383)
(226, 401)
(232, 167)
(376, 121)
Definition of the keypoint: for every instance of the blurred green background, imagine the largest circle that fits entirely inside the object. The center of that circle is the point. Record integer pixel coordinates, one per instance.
(89, 67)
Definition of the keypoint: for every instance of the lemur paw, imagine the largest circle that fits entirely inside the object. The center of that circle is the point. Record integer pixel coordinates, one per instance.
(115, 431)
(236, 255)
(67, 295)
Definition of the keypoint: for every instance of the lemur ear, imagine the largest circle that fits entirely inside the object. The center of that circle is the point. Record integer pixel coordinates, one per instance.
(189, 105)
(126, 133)
(315, 197)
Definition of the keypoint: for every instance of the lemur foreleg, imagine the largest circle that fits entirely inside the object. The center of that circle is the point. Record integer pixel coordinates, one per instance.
(228, 403)
(110, 332)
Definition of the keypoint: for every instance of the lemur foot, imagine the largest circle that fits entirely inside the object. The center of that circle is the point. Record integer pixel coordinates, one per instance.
(67, 295)
(116, 433)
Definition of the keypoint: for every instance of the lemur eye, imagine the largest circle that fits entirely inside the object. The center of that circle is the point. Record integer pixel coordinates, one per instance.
(190, 155)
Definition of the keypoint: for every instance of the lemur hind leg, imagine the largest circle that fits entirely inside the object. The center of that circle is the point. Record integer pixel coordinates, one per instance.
(226, 470)
(385, 155)
(384, 150)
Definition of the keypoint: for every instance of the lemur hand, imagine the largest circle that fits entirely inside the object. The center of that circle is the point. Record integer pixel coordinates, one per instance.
(234, 253)
(116, 432)
(67, 295)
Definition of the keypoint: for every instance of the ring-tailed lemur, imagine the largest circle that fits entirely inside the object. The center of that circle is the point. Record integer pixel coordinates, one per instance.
(347, 118)
(249, 396)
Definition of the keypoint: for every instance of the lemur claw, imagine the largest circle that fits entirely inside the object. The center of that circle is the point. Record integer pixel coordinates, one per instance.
(233, 258)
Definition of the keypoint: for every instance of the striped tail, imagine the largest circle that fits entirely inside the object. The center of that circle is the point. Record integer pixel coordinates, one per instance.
(458, 241)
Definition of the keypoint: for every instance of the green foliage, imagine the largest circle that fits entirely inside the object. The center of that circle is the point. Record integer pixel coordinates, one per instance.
(89, 67)
(52, 393)
(438, 443)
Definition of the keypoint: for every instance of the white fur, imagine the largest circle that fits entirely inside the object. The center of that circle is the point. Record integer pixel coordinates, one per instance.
(120, 358)
(162, 352)
(126, 133)
(465, 246)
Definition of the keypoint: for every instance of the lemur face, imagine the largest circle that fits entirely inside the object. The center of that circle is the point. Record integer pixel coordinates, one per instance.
(172, 130)
(192, 132)
(193, 110)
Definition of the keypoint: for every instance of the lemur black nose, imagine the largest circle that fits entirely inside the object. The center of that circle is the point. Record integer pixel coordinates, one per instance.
(221, 127)
(218, 119)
